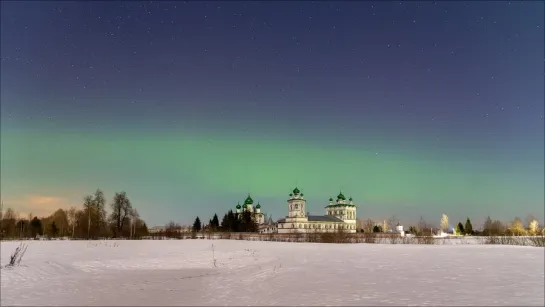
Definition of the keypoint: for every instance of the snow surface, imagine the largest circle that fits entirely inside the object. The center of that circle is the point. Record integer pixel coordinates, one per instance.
(183, 272)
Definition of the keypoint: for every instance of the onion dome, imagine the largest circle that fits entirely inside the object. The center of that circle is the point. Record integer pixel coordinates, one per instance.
(302, 194)
(296, 191)
(238, 206)
(244, 206)
(258, 206)
(341, 196)
(291, 194)
(330, 199)
(350, 199)
(249, 200)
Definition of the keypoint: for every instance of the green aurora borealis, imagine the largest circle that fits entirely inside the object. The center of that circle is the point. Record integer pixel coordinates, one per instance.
(177, 176)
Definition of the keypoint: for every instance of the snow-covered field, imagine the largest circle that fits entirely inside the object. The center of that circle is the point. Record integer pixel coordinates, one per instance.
(188, 272)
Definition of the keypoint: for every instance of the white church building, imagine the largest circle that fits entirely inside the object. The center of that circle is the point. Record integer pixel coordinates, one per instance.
(340, 216)
(248, 206)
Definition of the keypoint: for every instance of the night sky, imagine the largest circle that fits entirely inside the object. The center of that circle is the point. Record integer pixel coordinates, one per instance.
(413, 109)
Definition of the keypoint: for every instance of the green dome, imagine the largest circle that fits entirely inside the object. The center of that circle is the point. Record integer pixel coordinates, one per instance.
(296, 191)
(249, 200)
(350, 199)
(330, 199)
(244, 206)
(302, 194)
(258, 206)
(291, 194)
(238, 206)
(341, 196)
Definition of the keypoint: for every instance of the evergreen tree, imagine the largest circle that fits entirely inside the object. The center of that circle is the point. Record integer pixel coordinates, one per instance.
(53, 229)
(234, 222)
(225, 226)
(248, 223)
(215, 222)
(197, 225)
(469, 228)
(377, 228)
(460, 229)
(35, 227)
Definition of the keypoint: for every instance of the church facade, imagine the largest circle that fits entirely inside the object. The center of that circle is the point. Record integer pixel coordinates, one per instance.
(340, 216)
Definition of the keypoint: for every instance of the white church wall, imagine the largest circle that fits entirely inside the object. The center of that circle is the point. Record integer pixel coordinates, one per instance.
(315, 227)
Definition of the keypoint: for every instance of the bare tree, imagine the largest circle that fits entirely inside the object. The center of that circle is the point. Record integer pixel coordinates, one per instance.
(385, 226)
(60, 217)
(533, 227)
(368, 225)
(173, 229)
(423, 227)
(9, 221)
(517, 227)
(393, 221)
(529, 219)
(99, 204)
(21, 229)
(444, 223)
(493, 227)
(10, 214)
(134, 217)
(29, 217)
(121, 209)
(72, 218)
(88, 206)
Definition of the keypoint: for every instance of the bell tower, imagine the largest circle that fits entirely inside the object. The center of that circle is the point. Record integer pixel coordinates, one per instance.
(297, 204)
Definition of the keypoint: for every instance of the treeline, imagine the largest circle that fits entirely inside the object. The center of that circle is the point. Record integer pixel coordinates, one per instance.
(90, 221)
(231, 222)
(422, 228)
(514, 228)
(491, 227)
